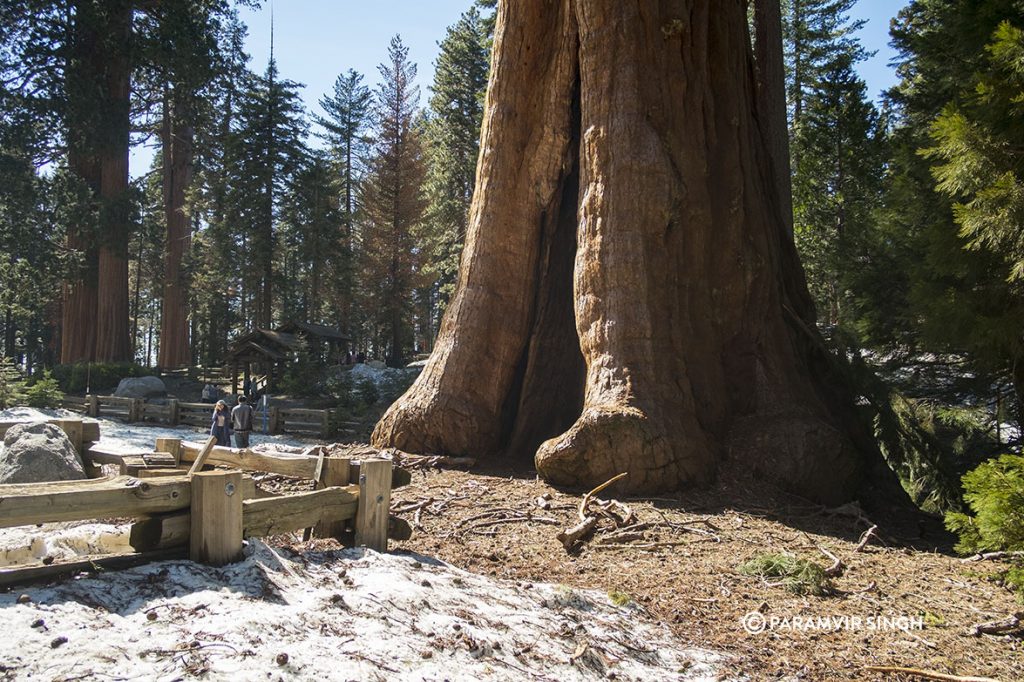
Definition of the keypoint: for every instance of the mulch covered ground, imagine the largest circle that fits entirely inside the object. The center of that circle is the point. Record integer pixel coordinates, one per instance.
(899, 602)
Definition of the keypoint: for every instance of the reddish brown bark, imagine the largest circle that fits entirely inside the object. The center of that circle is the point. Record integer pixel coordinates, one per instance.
(686, 337)
(96, 312)
(177, 145)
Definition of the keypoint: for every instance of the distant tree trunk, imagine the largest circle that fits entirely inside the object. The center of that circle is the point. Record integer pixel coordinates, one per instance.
(630, 298)
(178, 152)
(112, 309)
(79, 295)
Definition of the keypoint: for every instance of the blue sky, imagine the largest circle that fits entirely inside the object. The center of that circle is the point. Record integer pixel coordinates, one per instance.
(315, 40)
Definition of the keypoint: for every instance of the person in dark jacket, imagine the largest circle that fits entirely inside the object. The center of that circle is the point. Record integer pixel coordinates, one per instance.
(220, 424)
(241, 422)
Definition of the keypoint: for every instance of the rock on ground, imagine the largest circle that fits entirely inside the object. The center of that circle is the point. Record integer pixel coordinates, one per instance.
(38, 452)
(141, 387)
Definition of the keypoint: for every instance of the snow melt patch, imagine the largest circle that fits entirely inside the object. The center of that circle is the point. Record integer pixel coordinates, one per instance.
(343, 615)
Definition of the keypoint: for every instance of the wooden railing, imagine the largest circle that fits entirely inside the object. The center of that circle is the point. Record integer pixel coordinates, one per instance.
(280, 419)
(209, 512)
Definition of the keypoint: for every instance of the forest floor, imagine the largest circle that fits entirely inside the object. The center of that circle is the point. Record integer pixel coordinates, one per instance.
(899, 602)
(904, 600)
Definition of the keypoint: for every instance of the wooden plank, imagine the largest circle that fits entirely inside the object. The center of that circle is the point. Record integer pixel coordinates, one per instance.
(297, 413)
(374, 498)
(105, 454)
(31, 574)
(335, 473)
(248, 484)
(289, 513)
(31, 503)
(297, 466)
(215, 528)
(201, 458)
(171, 445)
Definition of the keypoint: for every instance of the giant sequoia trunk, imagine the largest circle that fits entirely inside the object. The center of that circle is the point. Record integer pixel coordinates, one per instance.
(177, 146)
(629, 297)
(95, 299)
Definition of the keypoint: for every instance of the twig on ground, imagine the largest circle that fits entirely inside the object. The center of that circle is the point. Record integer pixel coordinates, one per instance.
(586, 498)
(926, 674)
(837, 567)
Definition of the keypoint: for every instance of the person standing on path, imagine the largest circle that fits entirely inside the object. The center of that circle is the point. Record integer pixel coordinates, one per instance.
(220, 425)
(241, 422)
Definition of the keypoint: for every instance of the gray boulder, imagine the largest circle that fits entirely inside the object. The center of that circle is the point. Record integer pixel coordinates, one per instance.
(35, 452)
(141, 387)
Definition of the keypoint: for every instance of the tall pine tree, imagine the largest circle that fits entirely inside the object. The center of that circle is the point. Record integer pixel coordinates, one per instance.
(392, 197)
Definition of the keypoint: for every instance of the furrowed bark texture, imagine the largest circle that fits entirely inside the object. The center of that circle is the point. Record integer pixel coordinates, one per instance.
(174, 342)
(621, 146)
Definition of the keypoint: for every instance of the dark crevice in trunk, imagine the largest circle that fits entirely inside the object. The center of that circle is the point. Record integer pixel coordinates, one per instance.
(546, 396)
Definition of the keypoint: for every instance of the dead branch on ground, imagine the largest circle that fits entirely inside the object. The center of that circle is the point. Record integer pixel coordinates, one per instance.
(926, 674)
(1012, 624)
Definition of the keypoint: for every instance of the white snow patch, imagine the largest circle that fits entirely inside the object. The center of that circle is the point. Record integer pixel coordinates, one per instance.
(128, 437)
(344, 615)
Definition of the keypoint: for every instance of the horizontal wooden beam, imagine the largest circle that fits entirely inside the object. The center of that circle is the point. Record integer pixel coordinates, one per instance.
(298, 466)
(90, 429)
(31, 574)
(287, 513)
(30, 503)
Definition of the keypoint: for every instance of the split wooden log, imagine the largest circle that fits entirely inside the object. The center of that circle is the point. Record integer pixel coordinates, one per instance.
(25, 504)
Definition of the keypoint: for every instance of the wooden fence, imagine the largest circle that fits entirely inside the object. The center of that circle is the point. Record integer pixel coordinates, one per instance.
(179, 506)
(305, 422)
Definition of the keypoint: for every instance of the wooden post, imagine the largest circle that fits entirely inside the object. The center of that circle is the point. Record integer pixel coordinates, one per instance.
(325, 424)
(215, 536)
(94, 405)
(73, 428)
(171, 445)
(275, 420)
(197, 465)
(172, 411)
(335, 472)
(374, 501)
(136, 409)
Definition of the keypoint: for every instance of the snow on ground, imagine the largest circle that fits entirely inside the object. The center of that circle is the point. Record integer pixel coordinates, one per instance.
(342, 615)
(135, 436)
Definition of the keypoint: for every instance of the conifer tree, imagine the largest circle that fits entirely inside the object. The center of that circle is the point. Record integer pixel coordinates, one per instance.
(452, 136)
(269, 149)
(347, 114)
(392, 198)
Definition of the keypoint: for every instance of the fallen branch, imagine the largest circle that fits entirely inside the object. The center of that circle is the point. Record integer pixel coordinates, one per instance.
(837, 567)
(993, 556)
(586, 498)
(926, 674)
(999, 627)
(866, 538)
(570, 536)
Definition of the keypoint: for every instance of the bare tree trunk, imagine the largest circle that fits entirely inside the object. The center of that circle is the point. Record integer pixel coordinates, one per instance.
(174, 337)
(621, 148)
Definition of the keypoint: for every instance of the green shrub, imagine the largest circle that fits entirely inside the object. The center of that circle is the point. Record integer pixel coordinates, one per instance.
(799, 576)
(44, 392)
(994, 492)
(95, 376)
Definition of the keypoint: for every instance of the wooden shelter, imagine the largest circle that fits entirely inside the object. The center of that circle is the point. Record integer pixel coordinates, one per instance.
(260, 355)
